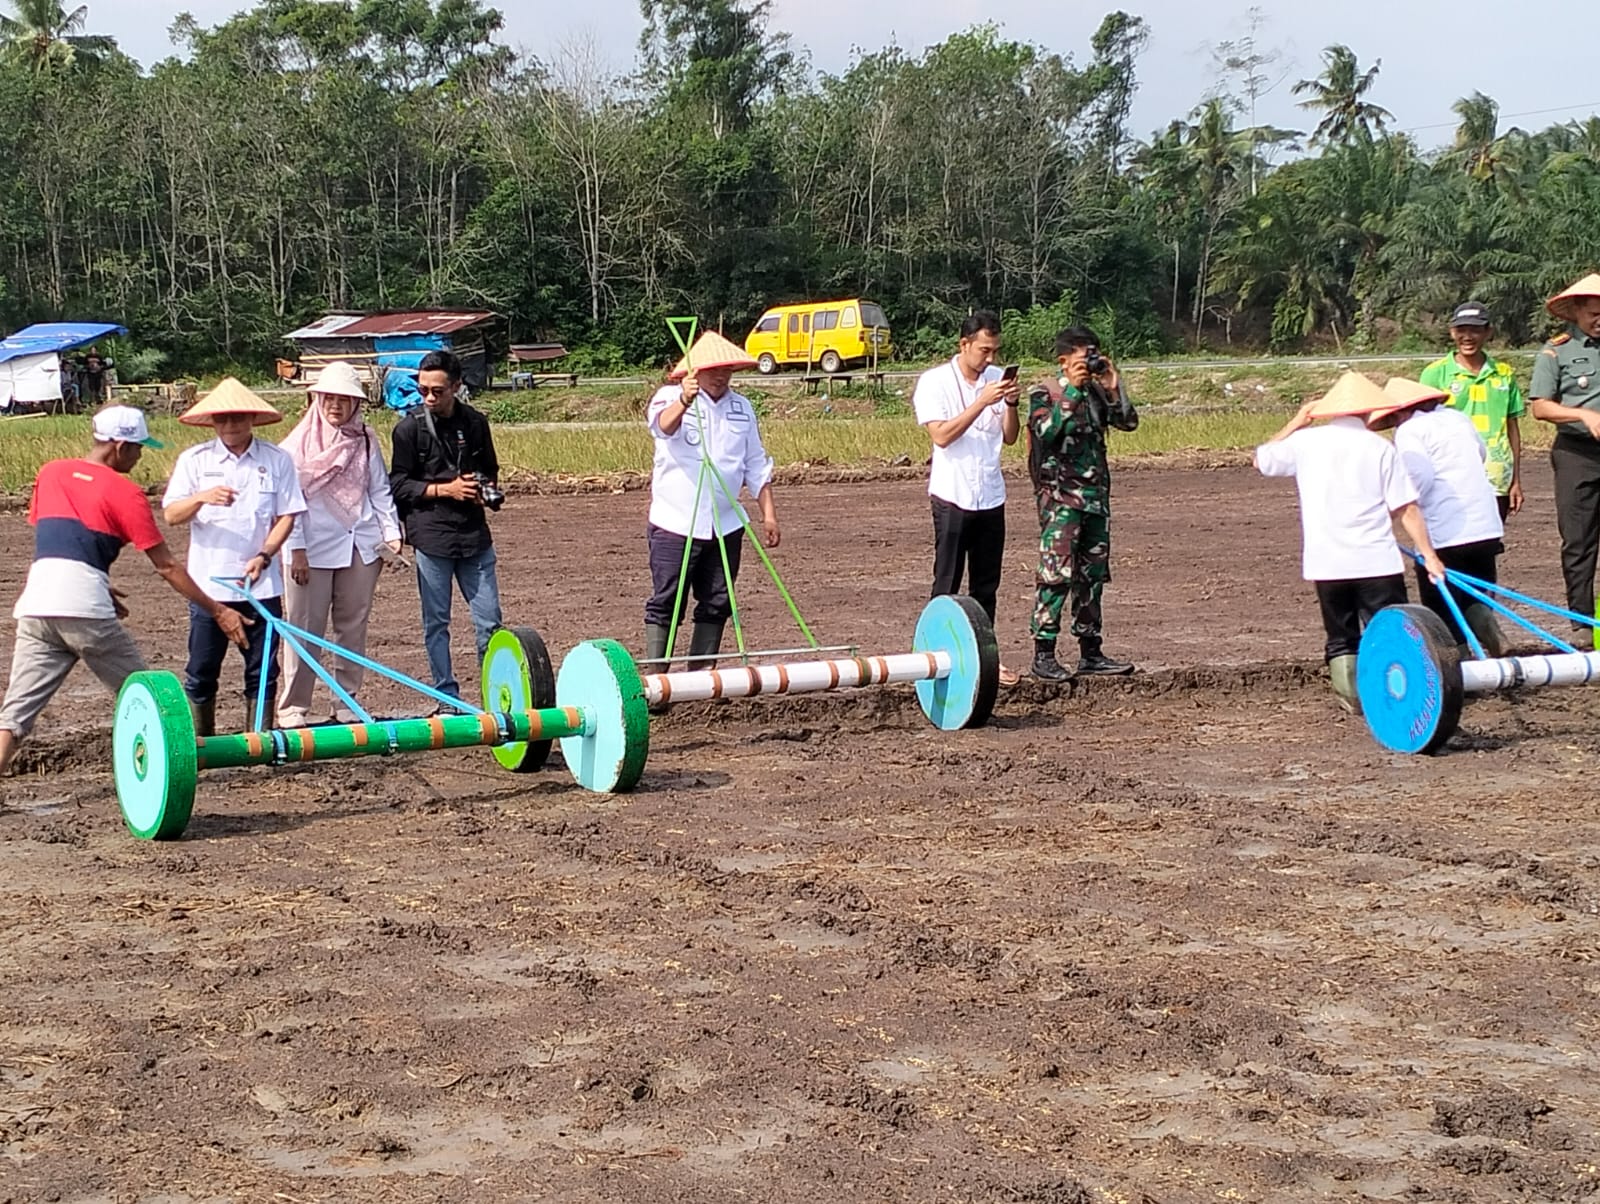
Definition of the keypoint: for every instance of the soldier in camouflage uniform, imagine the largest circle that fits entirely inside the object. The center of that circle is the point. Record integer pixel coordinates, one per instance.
(1067, 422)
(1566, 390)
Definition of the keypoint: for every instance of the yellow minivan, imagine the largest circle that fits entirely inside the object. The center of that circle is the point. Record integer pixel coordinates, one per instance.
(829, 334)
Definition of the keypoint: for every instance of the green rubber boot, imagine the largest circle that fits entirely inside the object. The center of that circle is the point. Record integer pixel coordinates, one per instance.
(1342, 672)
(205, 717)
(704, 644)
(1482, 621)
(655, 649)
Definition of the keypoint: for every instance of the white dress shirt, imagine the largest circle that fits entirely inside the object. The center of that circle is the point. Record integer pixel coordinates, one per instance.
(223, 539)
(1350, 481)
(1444, 455)
(328, 543)
(726, 431)
(967, 472)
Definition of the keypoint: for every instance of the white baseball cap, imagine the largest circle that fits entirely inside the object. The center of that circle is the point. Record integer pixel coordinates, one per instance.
(123, 424)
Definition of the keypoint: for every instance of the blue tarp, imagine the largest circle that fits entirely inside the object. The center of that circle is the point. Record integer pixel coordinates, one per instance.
(404, 352)
(400, 390)
(45, 337)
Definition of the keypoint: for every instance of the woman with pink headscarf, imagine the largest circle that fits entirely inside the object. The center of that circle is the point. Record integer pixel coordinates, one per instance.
(350, 518)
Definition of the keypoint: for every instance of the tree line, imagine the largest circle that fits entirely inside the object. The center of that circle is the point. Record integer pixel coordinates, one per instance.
(383, 154)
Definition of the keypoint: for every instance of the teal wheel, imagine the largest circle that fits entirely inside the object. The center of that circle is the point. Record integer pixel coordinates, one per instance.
(1408, 676)
(957, 625)
(600, 679)
(153, 756)
(517, 678)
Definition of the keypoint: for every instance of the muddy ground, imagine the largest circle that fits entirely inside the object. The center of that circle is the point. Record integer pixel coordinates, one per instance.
(1186, 937)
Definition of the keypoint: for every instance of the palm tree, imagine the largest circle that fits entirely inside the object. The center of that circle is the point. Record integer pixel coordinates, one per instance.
(1339, 93)
(46, 37)
(1480, 148)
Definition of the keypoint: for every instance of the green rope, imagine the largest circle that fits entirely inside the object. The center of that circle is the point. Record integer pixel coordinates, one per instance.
(772, 569)
(683, 570)
(684, 342)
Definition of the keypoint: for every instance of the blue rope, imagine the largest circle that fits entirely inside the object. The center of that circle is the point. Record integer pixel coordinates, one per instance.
(394, 675)
(1559, 611)
(1473, 644)
(1526, 624)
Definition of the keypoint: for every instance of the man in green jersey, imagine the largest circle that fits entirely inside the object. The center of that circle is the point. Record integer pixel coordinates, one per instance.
(1566, 391)
(1484, 389)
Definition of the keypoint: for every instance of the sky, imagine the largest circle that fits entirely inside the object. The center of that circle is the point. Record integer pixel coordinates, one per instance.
(1425, 69)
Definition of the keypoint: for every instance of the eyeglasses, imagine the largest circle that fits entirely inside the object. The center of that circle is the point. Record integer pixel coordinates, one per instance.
(431, 391)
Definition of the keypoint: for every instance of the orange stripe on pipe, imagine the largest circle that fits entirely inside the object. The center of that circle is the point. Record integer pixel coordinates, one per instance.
(252, 741)
(436, 732)
(783, 679)
(489, 726)
(755, 679)
(716, 683)
(308, 743)
(882, 669)
(574, 717)
(933, 666)
(833, 675)
(666, 688)
(358, 734)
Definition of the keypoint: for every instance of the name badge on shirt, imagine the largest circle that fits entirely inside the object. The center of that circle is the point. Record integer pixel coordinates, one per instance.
(736, 412)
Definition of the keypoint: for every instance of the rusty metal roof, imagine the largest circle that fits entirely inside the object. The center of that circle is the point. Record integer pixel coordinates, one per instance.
(359, 326)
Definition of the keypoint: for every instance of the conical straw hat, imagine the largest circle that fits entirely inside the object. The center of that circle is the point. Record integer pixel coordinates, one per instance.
(1402, 395)
(1351, 394)
(1561, 304)
(711, 350)
(230, 397)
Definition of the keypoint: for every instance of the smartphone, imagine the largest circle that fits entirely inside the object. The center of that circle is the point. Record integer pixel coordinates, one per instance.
(1010, 374)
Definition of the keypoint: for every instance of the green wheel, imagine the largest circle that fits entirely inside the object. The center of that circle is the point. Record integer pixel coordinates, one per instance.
(600, 678)
(153, 756)
(517, 677)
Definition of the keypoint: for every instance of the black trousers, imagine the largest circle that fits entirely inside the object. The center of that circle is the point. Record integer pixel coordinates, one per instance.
(706, 579)
(208, 648)
(1473, 559)
(1577, 467)
(1348, 605)
(970, 542)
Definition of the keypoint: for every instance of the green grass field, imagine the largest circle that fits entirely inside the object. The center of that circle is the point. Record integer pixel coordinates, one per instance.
(599, 432)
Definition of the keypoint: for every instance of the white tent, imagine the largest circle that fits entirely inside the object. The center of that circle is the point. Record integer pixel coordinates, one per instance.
(30, 378)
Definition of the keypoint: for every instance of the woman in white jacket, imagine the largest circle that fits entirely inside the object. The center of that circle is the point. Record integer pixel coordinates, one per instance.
(350, 515)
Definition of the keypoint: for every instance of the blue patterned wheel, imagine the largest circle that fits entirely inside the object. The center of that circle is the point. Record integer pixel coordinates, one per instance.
(1408, 676)
(517, 678)
(959, 626)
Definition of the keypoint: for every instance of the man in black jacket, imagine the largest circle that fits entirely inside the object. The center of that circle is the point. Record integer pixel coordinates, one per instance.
(443, 476)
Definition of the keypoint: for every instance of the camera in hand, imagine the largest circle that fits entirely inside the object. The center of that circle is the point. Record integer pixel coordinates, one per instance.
(491, 494)
(1095, 362)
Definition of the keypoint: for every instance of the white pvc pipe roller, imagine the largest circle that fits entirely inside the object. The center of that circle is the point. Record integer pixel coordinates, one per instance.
(1556, 669)
(802, 677)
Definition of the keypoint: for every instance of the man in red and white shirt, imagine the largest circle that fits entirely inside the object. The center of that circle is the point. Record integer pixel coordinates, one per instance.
(83, 512)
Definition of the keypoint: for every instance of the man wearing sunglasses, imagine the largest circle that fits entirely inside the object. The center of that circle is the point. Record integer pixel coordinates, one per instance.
(444, 475)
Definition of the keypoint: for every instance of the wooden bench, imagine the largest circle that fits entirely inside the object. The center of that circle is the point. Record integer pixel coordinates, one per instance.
(813, 381)
(532, 380)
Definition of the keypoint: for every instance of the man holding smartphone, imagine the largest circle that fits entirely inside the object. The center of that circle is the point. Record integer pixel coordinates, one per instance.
(969, 408)
(1067, 423)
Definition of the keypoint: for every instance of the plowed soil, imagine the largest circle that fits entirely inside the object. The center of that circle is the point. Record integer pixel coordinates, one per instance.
(1189, 936)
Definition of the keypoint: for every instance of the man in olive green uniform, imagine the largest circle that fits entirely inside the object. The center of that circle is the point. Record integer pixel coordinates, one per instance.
(1566, 391)
(1072, 488)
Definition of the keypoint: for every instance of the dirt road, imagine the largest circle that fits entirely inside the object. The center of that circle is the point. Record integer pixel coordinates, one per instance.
(1185, 937)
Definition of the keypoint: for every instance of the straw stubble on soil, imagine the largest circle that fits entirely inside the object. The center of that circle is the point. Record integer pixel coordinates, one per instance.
(1189, 936)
